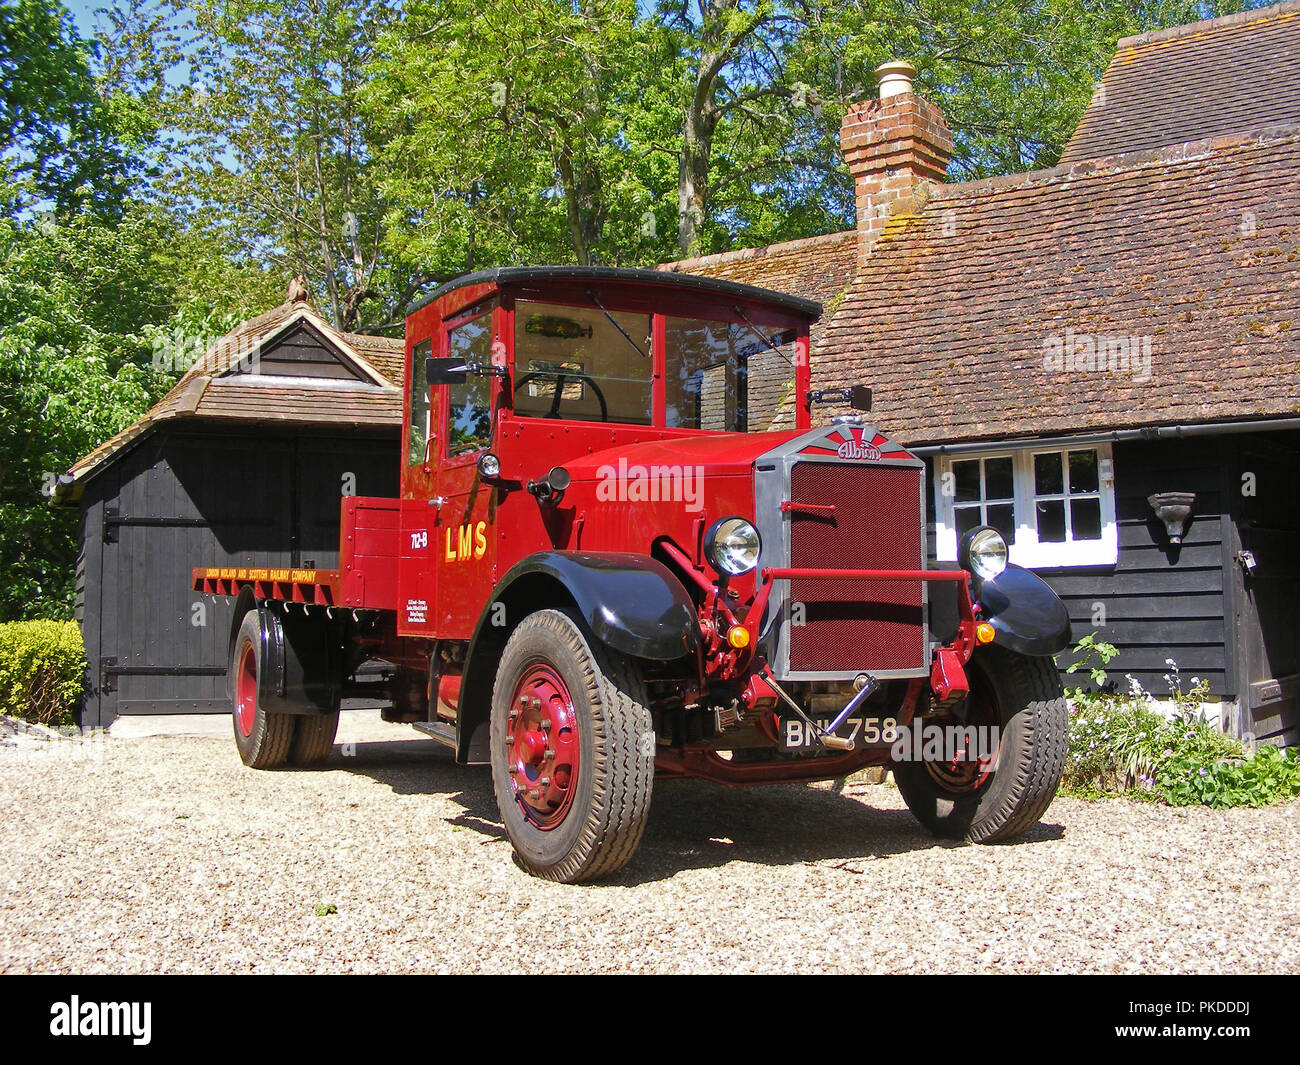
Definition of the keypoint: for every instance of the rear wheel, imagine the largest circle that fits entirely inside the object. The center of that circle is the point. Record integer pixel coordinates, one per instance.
(313, 738)
(1000, 767)
(572, 750)
(263, 739)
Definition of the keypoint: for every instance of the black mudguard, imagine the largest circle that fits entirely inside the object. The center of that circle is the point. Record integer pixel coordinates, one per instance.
(1025, 613)
(300, 657)
(631, 603)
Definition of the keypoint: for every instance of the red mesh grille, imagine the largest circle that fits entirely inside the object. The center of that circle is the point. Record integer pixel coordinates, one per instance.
(857, 625)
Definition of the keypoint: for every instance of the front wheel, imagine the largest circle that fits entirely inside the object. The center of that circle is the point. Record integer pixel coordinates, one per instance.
(993, 775)
(572, 750)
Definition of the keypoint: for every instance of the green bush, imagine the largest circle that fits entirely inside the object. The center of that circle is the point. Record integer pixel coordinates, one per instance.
(1120, 745)
(42, 664)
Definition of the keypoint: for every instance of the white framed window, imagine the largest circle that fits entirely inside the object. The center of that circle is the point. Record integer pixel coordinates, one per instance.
(1054, 505)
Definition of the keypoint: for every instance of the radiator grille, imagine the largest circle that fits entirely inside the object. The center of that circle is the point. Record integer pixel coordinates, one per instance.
(857, 625)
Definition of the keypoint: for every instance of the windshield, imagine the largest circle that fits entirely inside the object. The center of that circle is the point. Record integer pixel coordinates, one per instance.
(583, 364)
(727, 375)
(577, 363)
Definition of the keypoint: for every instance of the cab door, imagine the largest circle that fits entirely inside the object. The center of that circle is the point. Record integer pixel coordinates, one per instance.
(417, 574)
(464, 543)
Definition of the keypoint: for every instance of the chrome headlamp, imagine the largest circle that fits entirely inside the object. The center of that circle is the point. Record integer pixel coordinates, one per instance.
(732, 545)
(983, 552)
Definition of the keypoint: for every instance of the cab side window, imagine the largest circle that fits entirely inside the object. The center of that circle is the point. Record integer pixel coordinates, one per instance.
(469, 410)
(419, 438)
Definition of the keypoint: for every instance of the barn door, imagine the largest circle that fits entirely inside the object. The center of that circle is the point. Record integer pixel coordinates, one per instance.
(1266, 572)
(182, 502)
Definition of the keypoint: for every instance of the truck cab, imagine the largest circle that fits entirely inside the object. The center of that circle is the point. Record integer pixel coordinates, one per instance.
(623, 551)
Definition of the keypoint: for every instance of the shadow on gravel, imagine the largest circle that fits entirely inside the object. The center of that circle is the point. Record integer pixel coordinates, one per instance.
(693, 824)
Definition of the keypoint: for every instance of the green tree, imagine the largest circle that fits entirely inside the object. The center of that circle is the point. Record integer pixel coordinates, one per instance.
(278, 151)
(513, 134)
(62, 143)
(74, 369)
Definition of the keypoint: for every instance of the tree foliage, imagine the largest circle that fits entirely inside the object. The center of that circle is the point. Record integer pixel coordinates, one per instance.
(63, 143)
(74, 369)
(280, 156)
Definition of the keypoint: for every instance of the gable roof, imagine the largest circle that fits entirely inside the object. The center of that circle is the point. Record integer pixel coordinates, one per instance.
(958, 316)
(215, 388)
(1208, 79)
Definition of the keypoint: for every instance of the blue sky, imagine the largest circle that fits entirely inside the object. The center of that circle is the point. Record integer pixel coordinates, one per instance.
(83, 14)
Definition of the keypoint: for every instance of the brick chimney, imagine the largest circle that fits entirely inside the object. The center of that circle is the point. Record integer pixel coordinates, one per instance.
(897, 148)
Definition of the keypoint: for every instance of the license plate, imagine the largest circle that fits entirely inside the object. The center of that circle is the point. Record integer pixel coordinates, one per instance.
(798, 735)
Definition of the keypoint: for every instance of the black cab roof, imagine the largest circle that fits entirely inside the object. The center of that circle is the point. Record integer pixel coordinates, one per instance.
(523, 275)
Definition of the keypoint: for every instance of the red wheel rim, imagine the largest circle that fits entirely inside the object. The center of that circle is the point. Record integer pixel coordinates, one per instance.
(967, 771)
(246, 690)
(542, 746)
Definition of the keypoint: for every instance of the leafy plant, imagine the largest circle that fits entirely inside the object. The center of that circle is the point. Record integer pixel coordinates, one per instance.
(1122, 744)
(42, 669)
(325, 909)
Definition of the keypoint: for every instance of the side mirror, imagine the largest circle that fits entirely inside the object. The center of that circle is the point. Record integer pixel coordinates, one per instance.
(860, 397)
(445, 371)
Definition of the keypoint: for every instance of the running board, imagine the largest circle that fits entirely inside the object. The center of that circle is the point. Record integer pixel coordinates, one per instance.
(441, 731)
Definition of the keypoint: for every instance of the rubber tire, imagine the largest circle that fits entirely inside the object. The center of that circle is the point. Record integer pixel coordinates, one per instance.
(1031, 756)
(604, 825)
(313, 738)
(267, 744)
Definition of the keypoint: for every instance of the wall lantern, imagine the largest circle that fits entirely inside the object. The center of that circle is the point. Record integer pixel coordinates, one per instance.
(1173, 508)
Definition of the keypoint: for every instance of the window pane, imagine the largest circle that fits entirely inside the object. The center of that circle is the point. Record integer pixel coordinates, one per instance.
(1083, 471)
(469, 419)
(574, 363)
(770, 384)
(1047, 474)
(998, 483)
(966, 476)
(708, 374)
(967, 519)
(419, 404)
(1085, 519)
(1003, 519)
(1051, 520)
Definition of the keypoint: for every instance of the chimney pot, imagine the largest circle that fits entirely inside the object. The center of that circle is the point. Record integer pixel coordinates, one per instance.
(897, 149)
(895, 78)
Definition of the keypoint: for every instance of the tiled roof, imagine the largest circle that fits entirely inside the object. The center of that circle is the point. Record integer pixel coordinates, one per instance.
(959, 314)
(209, 390)
(1208, 79)
(384, 354)
(816, 268)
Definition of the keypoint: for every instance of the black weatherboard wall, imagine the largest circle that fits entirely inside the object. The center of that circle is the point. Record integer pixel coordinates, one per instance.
(1199, 603)
(192, 497)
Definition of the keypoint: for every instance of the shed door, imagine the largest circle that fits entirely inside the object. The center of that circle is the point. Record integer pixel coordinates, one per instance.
(181, 503)
(1267, 576)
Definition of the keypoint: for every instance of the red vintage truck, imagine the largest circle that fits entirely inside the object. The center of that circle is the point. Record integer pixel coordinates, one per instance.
(623, 552)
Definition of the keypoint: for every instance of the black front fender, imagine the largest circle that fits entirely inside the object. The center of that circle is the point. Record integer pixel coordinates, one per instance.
(631, 603)
(1025, 613)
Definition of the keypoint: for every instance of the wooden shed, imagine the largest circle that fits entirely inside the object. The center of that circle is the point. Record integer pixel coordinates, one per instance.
(243, 463)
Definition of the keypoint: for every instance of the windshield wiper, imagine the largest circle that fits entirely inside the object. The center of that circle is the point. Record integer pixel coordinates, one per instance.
(594, 299)
(761, 336)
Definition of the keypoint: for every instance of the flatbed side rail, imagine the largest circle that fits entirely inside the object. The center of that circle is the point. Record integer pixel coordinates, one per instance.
(318, 587)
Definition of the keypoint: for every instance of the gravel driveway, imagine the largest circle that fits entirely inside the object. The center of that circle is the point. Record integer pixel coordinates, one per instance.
(163, 853)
